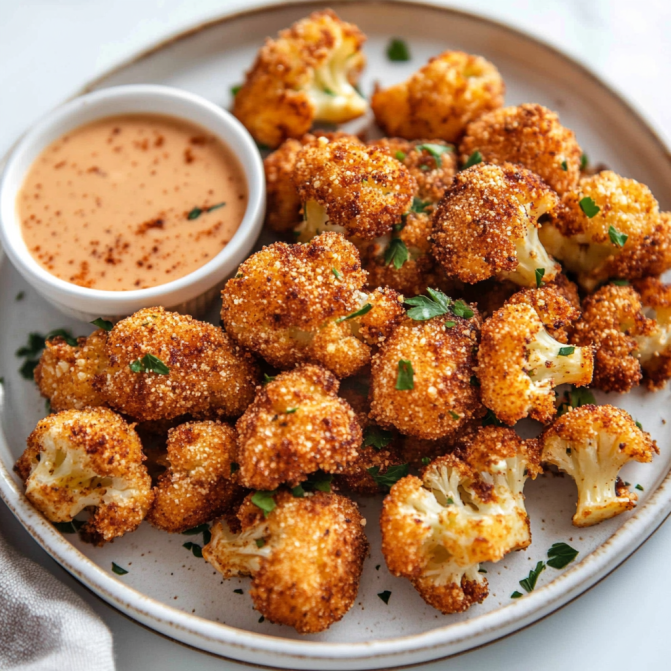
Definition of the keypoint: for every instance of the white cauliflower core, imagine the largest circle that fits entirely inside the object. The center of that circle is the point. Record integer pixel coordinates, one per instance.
(237, 554)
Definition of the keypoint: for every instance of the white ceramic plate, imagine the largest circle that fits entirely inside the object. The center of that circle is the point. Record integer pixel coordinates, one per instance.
(170, 590)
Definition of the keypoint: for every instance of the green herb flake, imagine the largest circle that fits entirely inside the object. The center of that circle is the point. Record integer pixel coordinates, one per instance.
(540, 273)
(639, 425)
(396, 253)
(566, 351)
(589, 207)
(482, 570)
(238, 591)
(561, 555)
(473, 159)
(319, 481)
(620, 283)
(20, 296)
(419, 206)
(616, 237)
(640, 489)
(529, 583)
(261, 147)
(397, 50)
(449, 501)
(490, 419)
(405, 379)
(426, 461)
(194, 213)
(103, 324)
(235, 89)
(516, 595)
(262, 619)
(47, 406)
(194, 531)
(359, 313)
(454, 415)
(564, 166)
(337, 273)
(149, 364)
(376, 436)
(385, 595)
(298, 491)
(264, 500)
(63, 333)
(580, 396)
(118, 570)
(450, 324)
(377, 568)
(196, 549)
(400, 155)
(436, 151)
(460, 309)
(385, 481)
(71, 527)
(584, 161)
(427, 307)
(260, 542)
(267, 379)
(290, 411)
(234, 467)
(215, 207)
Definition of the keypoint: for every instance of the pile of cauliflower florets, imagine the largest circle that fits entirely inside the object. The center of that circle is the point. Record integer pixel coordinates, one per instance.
(434, 288)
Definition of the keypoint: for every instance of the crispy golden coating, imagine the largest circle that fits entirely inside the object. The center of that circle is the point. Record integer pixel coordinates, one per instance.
(65, 374)
(433, 163)
(467, 508)
(592, 443)
(530, 135)
(440, 99)
(442, 398)
(87, 459)
(520, 364)
(487, 225)
(283, 205)
(351, 188)
(590, 246)
(612, 322)
(209, 374)
(197, 486)
(287, 304)
(305, 557)
(307, 74)
(296, 425)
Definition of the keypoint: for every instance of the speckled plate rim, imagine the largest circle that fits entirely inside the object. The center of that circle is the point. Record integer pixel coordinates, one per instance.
(440, 642)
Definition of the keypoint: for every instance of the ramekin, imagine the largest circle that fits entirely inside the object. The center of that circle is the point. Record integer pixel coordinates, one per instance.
(190, 294)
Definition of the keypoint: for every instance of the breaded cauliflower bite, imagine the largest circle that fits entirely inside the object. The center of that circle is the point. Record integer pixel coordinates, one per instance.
(592, 443)
(307, 74)
(65, 374)
(651, 257)
(283, 204)
(304, 303)
(163, 365)
(530, 135)
(296, 425)
(197, 486)
(613, 323)
(350, 188)
(603, 227)
(520, 364)
(440, 99)
(87, 459)
(487, 226)
(305, 557)
(421, 377)
(467, 508)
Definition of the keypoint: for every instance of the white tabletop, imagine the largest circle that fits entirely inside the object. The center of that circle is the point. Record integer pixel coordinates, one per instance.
(49, 49)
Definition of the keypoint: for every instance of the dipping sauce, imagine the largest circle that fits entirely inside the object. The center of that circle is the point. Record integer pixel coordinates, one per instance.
(130, 202)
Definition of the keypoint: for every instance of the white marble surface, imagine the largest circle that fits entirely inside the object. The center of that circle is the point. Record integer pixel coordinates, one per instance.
(49, 48)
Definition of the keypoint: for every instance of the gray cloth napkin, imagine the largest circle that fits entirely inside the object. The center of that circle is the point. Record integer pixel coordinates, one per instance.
(45, 626)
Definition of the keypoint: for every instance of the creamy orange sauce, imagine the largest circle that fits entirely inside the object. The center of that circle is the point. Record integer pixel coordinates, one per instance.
(130, 202)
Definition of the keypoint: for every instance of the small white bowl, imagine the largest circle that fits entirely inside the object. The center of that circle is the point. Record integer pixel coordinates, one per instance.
(189, 294)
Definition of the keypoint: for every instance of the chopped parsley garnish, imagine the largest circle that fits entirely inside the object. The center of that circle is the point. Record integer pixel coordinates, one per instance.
(386, 480)
(540, 273)
(234, 467)
(319, 481)
(149, 364)
(490, 419)
(482, 570)
(264, 500)
(566, 351)
(337, 273)
(561, 555)
(419, 206)
(267, 378)
(63, 333)
(396, 253)
(584, 160)
(577, 397)
(238, 591)
(426, 461)
(405, 379)
(564, 166)
(377, 568)
(450, 324)
(260, 542)
(589, 207)
(194, 213)
(194, 531)
(436, 150)
(71, 527)
(359, 313)
(460, 309)
(261, 147)
(400, 155)
(376, 436)
(195, 549)
(620, 283)
(118, 570)
(640, 489)
(103, 324)
(298, 491)
(32, 351)
(529, 583)
(639, 425)
(235, 89)
(47, 406)
(385, 595)
(427, 307)
(616, 237)
(397, 50)
(290, 411)
(262, 619)
(473, 159)
(20, 296)
(454, 415)
(328, 91)
(215, 207)
(516, 595)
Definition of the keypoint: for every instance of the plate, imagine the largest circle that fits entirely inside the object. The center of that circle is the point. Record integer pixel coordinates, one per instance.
(177, 594)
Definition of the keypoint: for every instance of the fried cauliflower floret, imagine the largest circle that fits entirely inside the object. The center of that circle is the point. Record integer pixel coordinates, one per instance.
(467, 508)
(529, 135)
(295, 304)
(602, 245)
(350, 188)
(65, 374)
(613, 322)
(87, 459)
(307, 74)
(651, 257)
(197, 485)
(283, 207)
(520, 364)
(296, 425)
(208, 373)
(487, 225)
(440, 99)
(592, 443)
(305, 557)
(421, 377)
